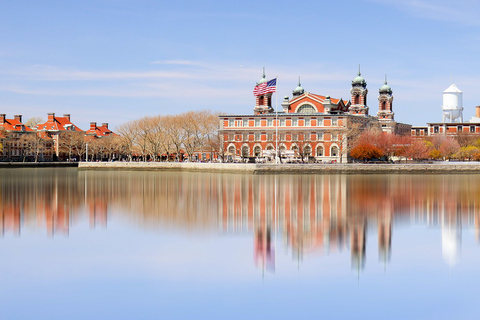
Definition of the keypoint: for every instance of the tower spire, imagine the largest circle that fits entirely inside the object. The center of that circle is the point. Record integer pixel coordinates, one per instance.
(385, 78)
(263, 72)
(359, 73)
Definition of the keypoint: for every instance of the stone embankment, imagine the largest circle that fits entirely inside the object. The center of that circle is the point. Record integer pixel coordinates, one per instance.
(37, 164)
(427, 168)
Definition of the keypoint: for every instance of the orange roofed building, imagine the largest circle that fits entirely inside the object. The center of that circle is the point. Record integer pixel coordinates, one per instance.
(19, 141)
(54, 128)
(310, 126)
(99, 131)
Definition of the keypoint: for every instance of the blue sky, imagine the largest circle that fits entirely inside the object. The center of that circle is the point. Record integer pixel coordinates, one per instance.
(117, 60)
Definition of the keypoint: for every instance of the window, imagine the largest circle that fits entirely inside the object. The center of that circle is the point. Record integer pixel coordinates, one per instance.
(307, 151)
(230, 122)
(334, 122)
(282, 122)
(231, 137)
(257, 136)
(472, 129)
(320, 151)
(334, 137)
(320, 122)
(270, 122)
(459, 128)
(282, 136)
(257, 152)
(257, 122)
(435, 129)
(307, 108)
(245, 122)
(320, 136)
(294, 122)
(269, 136)
(294, 137)
(245, 137)
(307, 136)
(334, 151)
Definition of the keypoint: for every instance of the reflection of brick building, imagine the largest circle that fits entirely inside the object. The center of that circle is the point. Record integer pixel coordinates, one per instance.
(307, 213)
(310, 125)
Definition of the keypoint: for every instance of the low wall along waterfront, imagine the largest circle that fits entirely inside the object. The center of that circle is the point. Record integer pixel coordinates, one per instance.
(286, 168)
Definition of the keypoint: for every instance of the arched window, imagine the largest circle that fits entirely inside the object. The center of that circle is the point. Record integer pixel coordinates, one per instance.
(257, 151)
(245, 152)
(320, 151)
(231, 149)
(307, 151)
(307, 108)
(334, 152)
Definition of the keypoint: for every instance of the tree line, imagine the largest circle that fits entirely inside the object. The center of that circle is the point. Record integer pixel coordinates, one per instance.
(170, 137)
(372, 143)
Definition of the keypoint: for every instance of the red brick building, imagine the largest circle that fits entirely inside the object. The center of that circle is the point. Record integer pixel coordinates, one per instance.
(449, 128)
(19, 142)
(54, 128)
(309, 126)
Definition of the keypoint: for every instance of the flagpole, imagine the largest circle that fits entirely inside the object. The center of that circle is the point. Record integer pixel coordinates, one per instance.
(276, 125)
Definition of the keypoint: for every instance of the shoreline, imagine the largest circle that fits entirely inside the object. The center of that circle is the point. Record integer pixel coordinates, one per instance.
(353, 168)
(37, 164)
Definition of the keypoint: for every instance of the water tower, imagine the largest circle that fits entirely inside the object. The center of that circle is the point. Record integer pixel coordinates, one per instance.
(452, 105)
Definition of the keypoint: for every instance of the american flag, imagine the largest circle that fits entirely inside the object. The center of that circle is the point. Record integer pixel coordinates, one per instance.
(266, 87)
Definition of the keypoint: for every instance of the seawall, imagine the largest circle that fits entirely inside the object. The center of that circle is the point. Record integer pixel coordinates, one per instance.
(37, 164)
(430, 168)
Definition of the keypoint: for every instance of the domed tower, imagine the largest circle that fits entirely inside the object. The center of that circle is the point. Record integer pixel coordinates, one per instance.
(385, 109)
(263, 103)
(298, 91)
(359, 95)
(452, 104)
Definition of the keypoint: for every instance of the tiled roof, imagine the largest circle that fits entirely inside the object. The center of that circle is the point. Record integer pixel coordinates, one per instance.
(58, 124)
(101, 131)
(15, 125)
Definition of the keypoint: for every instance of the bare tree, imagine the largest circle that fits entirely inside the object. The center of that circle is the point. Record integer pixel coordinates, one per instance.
(32, 122)
(72, 143)
(34, 145)
(128, 133)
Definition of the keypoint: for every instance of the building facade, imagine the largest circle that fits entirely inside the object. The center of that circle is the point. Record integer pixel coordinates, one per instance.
(310, 127)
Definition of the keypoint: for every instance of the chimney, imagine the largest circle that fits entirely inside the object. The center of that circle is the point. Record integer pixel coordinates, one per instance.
(477, 112)
(2, 118)
(67, 115)
(105, 124)
(18, 117)
(93, 125)
(51, 117)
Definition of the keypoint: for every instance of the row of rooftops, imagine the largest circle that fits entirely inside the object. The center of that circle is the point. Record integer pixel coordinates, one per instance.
(53, 124)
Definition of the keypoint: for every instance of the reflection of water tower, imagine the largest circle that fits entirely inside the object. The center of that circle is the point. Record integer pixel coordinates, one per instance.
(452, 105)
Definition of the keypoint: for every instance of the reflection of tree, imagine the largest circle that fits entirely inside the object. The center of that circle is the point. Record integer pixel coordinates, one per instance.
(315, 212)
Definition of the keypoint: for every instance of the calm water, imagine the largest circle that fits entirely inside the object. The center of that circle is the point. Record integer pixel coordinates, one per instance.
(153, 245)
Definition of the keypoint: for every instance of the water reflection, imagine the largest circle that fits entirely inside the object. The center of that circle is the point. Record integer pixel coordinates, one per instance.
(307, 213)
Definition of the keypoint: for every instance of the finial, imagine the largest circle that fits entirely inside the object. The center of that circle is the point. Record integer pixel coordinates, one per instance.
(299, 81)
(359, 73)
(385, 79)
(263, 72)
